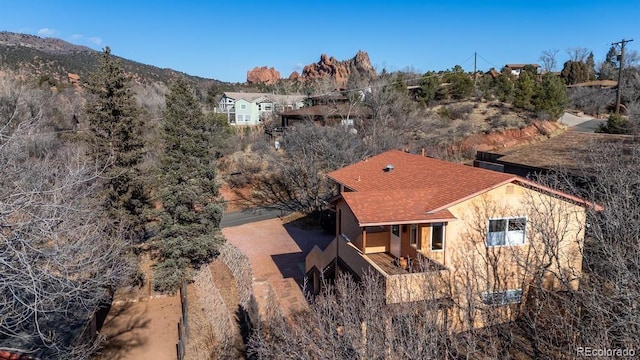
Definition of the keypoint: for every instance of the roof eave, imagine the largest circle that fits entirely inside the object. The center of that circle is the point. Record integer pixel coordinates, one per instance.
(465, 198)
(406, 222)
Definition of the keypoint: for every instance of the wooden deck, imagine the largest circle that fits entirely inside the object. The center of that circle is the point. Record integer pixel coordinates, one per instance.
(390, 265)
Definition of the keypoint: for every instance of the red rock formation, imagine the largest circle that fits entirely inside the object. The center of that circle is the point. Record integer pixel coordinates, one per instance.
(339, 70)
(294, 76)
(263, 75)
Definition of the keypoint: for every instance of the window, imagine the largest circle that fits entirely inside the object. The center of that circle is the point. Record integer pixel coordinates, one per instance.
(267, 107)
(437, 237)
(508, 231)
(247, 118)
(513, 296)
(413, 239)
(243, 106)
(395, 230)
(238, 117)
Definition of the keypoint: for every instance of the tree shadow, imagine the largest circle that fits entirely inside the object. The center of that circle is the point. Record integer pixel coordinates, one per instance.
(121, 330)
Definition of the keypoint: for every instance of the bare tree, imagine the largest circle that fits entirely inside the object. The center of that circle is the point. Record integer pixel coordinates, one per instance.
(591, 100)
(578, 54)
(548, 59)
(295, 178)
(58, 266)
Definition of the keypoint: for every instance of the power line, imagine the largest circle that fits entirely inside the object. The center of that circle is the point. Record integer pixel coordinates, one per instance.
(489, 62)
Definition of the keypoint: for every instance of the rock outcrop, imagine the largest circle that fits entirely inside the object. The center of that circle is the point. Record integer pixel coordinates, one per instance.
(263, 75)
(339, 70)
(294, 76)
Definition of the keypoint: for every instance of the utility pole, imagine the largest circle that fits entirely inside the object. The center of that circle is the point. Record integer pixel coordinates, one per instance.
(621, 58)
(475, 71)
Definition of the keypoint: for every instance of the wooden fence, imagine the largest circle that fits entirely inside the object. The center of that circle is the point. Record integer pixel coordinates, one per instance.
(183, 324)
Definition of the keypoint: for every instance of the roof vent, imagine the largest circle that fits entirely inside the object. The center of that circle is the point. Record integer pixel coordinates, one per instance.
(388, 168)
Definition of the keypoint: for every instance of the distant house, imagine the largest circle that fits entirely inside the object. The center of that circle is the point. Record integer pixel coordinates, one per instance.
(336, 107)
(449, 233)
(249, 109)
(517, 68)
(341, 113)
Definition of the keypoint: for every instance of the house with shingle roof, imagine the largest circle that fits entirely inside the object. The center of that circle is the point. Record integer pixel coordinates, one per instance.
(436, 230)
(517, 68)
(248, 109)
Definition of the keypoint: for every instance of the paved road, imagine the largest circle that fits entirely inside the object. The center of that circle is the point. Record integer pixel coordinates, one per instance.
(237, 218)
(580, 123)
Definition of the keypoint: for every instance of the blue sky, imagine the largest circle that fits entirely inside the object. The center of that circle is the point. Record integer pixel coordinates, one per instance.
(224, 39)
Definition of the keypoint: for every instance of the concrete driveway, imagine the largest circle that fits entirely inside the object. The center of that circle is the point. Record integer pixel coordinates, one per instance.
(581, 123)
(277, 252)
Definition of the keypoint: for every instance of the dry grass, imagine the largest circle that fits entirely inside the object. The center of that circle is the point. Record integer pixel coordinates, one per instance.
(213, 332)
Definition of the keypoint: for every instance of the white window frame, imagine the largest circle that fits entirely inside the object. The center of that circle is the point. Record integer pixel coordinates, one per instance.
(243, 106)
(506, 237)
(431, 236)
(498, 298)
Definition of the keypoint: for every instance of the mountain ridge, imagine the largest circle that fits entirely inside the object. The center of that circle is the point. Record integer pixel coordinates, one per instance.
(56, 57)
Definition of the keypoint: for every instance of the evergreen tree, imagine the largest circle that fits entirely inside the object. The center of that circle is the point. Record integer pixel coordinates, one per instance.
(188, 234)
(503, 87)
(117, 146)
(550, 96)
(460, 83)
(429, 85)
(608, 69)
(575, 72)
(591, 67)
(524, 90)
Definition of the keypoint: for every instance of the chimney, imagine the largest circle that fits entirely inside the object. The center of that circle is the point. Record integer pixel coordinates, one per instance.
(422, 152)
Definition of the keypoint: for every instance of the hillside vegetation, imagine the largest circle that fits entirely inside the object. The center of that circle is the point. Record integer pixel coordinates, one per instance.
(127, 163)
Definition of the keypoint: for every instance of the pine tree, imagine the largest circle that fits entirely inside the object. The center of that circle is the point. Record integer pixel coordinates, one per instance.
(503, 87)
(188, 234)
(575, 72)
(550, 96)
(117, 146)
(608, 67)
(591, 66)
(524, 90)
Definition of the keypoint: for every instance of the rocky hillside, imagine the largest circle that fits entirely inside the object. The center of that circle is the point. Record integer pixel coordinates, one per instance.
(327, 67)
(57, 58)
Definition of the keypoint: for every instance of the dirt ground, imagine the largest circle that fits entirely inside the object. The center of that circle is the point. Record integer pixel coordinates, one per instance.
(142, 330)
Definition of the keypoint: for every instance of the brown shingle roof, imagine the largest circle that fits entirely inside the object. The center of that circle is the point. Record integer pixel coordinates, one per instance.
(417, 189)
(520, 66)
(338, 110)
(424, 187)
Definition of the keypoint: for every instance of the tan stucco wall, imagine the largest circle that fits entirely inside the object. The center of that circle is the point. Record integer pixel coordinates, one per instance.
(349, 223)
(471, 263)
(472, 266)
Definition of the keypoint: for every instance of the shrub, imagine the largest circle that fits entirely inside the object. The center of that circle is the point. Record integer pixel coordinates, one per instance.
(616, 124)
